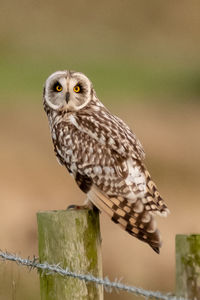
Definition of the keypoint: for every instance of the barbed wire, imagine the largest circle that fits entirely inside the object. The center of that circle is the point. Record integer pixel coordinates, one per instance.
(108, 285)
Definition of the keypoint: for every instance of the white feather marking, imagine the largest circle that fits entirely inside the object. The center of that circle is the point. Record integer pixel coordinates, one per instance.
(53, 134)
(58, 150)
(96, 108)
(111, 141)
(73, 121)
(91, 150)
(67, 159)
(97, 170)
(99, 150)
(102, 139)
(135, 176)
(69, 152)
(73, 168)
(106, 170)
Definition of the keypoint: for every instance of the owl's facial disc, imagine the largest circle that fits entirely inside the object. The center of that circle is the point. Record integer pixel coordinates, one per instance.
(67, 90)
(80, 90)
(55, 90)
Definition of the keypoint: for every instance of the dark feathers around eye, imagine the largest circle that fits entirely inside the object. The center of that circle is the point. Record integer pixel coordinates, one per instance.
(55, 85)
(82, 89)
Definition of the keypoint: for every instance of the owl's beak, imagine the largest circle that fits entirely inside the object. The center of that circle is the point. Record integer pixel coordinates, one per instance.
(67, 97)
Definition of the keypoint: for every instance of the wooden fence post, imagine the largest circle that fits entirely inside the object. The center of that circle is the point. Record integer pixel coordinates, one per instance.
(72, 239)
(188, 266)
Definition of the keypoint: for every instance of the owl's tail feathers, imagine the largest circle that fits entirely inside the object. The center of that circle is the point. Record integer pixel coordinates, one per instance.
(153, 199)
(132, 217)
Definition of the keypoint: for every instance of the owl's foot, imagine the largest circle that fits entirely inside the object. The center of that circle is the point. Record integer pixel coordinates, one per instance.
(73, 206)
(87, 205)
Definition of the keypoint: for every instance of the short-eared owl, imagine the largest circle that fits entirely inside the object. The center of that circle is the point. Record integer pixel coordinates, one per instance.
(103, 155)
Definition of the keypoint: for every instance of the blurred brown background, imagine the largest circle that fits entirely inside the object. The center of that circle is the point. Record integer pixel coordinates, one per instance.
(143, 58)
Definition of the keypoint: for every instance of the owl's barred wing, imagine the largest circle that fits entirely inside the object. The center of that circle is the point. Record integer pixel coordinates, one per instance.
(110, 131)
(126, 153)
(132, 217)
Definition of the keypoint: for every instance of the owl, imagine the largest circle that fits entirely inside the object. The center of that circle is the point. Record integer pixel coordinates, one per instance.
(103, 155)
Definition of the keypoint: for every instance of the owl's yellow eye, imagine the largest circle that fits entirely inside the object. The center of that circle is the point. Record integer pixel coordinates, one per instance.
(58, 88)
(77, 89)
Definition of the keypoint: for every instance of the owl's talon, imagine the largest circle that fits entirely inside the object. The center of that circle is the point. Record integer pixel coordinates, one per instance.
(72, 206)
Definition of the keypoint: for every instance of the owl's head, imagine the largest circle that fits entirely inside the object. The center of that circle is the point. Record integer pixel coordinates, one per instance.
(67, 90)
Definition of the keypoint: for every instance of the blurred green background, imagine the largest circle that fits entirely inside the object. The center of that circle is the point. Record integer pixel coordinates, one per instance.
(143, 59)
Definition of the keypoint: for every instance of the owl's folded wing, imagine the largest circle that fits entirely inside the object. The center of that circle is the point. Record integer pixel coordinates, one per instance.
(110, 131)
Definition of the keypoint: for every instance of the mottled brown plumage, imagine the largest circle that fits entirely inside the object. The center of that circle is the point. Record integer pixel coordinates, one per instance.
(103, 155)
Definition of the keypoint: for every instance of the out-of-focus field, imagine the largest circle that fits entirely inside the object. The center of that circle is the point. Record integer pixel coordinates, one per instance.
(143, 58)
